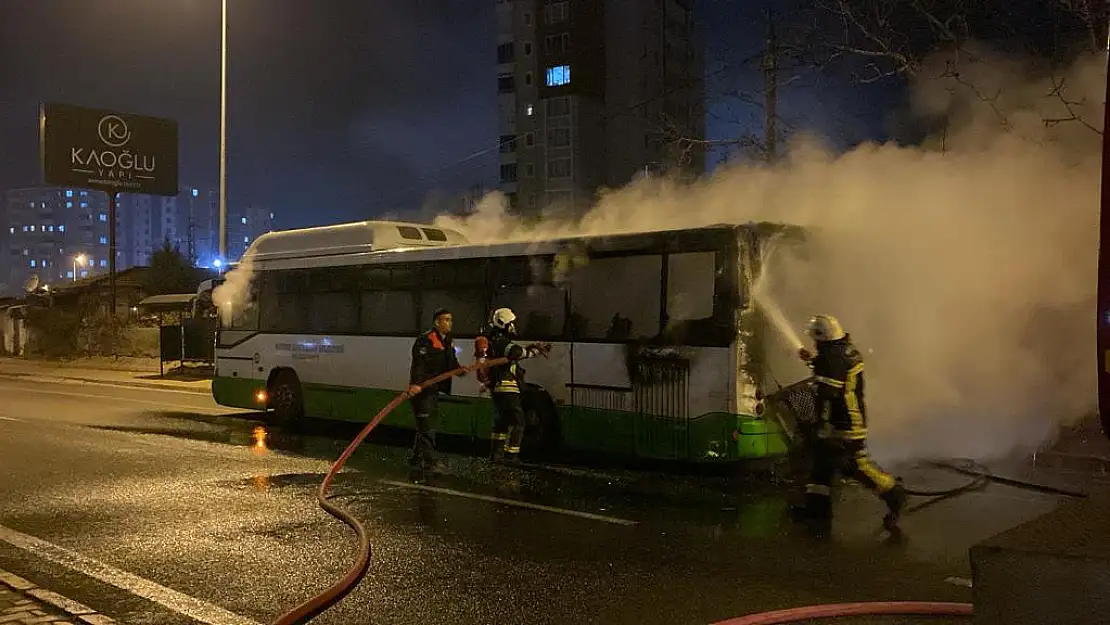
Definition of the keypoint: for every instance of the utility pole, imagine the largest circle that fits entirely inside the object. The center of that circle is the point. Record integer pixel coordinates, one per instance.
(770, 91)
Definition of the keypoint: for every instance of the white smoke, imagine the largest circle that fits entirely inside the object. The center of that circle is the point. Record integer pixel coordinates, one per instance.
(231, 297)
(964, 268)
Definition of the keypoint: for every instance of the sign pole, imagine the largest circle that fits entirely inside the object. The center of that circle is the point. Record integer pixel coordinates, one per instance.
(112, 201)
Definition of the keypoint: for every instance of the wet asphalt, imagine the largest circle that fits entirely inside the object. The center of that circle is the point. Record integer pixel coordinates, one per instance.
(217, 505)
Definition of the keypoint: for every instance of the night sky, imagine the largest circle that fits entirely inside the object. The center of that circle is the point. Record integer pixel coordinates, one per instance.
(338, 109)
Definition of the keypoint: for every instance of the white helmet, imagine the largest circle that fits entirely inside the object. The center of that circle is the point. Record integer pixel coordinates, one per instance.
(825, 328)
(502, 318)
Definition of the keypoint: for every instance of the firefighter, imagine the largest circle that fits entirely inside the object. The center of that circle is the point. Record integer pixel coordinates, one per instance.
(433, 353)
(841, 445)
(505, 383)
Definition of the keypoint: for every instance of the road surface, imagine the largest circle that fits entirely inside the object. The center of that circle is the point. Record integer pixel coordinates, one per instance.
(159, 507)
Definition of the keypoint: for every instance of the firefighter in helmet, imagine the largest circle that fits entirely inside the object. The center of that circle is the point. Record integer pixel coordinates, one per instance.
(506, 382)
(842, 435)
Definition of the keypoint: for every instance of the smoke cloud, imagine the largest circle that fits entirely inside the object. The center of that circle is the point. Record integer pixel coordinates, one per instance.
(964, 268)
(233, 295)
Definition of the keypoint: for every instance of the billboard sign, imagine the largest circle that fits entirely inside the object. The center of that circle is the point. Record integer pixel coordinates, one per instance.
(107, 150)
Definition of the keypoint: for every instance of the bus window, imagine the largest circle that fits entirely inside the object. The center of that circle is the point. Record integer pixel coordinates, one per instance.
(281, 301)
(467, 306)
(691, 278)
(388, 312)
(617, 298)
(333, 313)
(244, 314)
(540, 309)
(524, 284)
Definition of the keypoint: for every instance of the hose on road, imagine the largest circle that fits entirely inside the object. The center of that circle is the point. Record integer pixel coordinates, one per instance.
(839, 610)
(316, 605)
(326, 599)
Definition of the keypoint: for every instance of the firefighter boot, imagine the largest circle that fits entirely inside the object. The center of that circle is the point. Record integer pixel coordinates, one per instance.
(512, 445)
(895, 499)
(497, 446)
(815, 511)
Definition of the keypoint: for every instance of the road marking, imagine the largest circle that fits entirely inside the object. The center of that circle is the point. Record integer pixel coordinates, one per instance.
(192, 607)
(511, 502)
(138, 386)
(960, 581)
(8, 419)
(138, 401)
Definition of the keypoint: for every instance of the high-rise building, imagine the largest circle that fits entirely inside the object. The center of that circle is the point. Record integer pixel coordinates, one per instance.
(594, 93)
(48, 229)
(244, 226)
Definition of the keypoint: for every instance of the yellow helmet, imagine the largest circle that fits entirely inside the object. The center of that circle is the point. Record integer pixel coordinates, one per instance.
(825, 328)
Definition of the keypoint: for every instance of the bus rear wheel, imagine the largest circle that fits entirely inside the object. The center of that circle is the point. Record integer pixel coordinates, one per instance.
(286, 398)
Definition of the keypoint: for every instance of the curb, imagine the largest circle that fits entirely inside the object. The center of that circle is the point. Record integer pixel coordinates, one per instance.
(83, 613)
(120, 383)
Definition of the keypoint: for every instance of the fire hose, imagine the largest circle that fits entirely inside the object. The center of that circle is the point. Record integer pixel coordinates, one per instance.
(316, 605)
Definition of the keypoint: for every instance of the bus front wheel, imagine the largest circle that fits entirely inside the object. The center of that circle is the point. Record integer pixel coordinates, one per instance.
(286, 398)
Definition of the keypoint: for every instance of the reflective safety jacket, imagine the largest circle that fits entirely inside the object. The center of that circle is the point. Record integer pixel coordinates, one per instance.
(507, 378)
(838, 372)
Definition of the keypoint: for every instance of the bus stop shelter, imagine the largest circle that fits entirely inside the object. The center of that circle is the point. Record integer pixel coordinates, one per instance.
(183, 336)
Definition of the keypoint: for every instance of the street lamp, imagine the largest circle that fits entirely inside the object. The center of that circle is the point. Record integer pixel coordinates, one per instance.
(223, 129)
(78, 260)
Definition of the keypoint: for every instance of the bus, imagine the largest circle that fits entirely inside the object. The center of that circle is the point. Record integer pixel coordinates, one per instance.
(656, 348)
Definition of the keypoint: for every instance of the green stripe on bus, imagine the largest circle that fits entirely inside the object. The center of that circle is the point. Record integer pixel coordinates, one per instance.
(710, 437)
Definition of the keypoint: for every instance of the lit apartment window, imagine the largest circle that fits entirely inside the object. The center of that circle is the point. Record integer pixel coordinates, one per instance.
(25, 228)
(69, 274)
(195, 193)
(558, 76)
(103, 217)
(33, 263)
(103, 262)
(69, 192)
(61, 228)
(69, 204)
(244, 220)
(32, 228)
(246, 239)
(529, 110)
(11, 230)
(104, 240)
